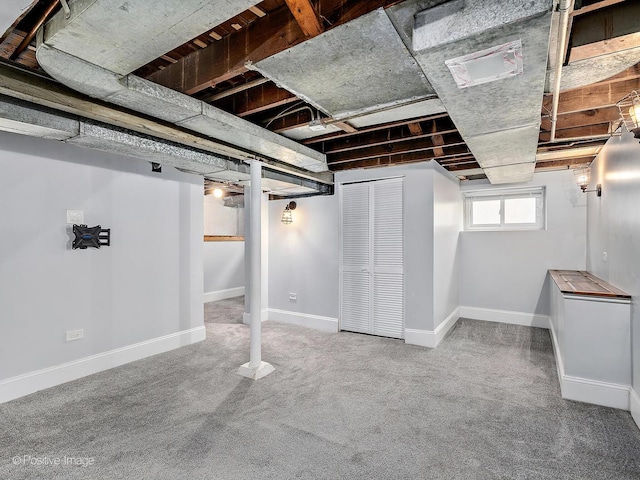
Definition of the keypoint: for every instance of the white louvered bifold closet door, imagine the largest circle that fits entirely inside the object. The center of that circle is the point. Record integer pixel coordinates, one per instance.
(356, 258)
(372, 281)
(388, 278)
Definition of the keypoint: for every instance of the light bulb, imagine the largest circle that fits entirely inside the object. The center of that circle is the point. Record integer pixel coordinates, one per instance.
(218, 193)
(634, 111)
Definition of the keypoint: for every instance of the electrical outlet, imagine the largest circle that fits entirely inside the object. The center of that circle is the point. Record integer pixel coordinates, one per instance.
(75, 217)
(75, 335)
(604, 256)
(293, 297)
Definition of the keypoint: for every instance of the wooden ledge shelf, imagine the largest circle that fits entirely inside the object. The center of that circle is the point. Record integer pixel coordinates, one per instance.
(222, 238)
(577, 282)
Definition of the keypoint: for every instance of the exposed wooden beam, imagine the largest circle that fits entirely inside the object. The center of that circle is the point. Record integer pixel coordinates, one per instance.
(306, 17)
(373, 128)
(595, 6)
(381, 137)
(226, 58)
(234, 90)
(345, 127)
(257, 11)
(410, 146)
(586, 117)
(199, 43)
(567, 162)
(258, 99)
(415, 128)
(215, 36)
(598, 130)
(437, 140)
(387, 160)
(604, 47)
(592, 97)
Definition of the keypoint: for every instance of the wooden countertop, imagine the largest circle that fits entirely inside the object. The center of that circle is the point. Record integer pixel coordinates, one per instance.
(578, 282)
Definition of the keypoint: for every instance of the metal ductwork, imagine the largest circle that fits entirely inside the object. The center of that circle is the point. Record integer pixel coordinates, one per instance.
(360, 73)
(487, 61)
(18, 116)
(95, 49)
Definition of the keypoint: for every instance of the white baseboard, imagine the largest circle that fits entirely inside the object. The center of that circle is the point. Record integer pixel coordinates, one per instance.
(223, 294)
(326, 324)
(634, 406)
(505, 316)
(246, 317)
(431, 338)
(587, 390)
(32, 382)
(593, 391)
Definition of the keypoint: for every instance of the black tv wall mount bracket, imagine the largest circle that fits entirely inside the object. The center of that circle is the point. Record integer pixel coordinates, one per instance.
(94, 237)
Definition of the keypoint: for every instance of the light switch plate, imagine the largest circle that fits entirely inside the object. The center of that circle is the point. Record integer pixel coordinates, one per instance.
(75, 217)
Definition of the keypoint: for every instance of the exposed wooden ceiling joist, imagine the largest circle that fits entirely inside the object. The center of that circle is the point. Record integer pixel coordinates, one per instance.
(306, 17)
(226, 58)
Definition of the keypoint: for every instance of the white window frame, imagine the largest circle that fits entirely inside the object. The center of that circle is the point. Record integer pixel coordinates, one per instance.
(539, 193)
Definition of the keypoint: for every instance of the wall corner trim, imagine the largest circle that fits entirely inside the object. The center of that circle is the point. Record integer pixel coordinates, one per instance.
(634, 406)
(223, 294)
(317, 322)
(505, 316)
(21, 385)
(431, 338)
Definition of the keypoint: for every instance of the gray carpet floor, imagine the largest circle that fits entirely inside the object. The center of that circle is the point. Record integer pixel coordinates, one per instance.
(484, 405)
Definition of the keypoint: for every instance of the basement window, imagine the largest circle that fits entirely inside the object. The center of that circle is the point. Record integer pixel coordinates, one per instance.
(502, 209)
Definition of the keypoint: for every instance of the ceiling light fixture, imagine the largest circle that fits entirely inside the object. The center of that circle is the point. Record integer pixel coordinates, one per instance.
(287, 216)
(217, 192)
(629, 108)
(583, 178)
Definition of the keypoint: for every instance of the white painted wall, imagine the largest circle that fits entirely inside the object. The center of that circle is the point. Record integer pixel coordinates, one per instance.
(505, 270)
(224, 269)
(614, 227)
(147, 284)
(221, 220)
(303, 258)
(447, 225)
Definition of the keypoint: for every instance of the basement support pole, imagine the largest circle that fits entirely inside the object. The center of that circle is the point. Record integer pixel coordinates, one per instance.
(256, 368)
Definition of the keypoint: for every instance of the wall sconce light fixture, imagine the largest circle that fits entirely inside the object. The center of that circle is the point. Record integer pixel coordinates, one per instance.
(287, 216)
(629, 108)
(583, 177)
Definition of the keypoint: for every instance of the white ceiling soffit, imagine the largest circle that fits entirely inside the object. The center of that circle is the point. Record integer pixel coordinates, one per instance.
(10, 10)
(126, 35)
(458, 29)
(352, 69)
(155, 100)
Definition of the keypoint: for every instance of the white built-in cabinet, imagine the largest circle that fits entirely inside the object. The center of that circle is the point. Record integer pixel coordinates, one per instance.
(371, 257)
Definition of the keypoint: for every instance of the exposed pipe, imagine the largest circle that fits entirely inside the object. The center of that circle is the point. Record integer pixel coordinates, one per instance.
(564, 7)
(67, 10)
(32, 33)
